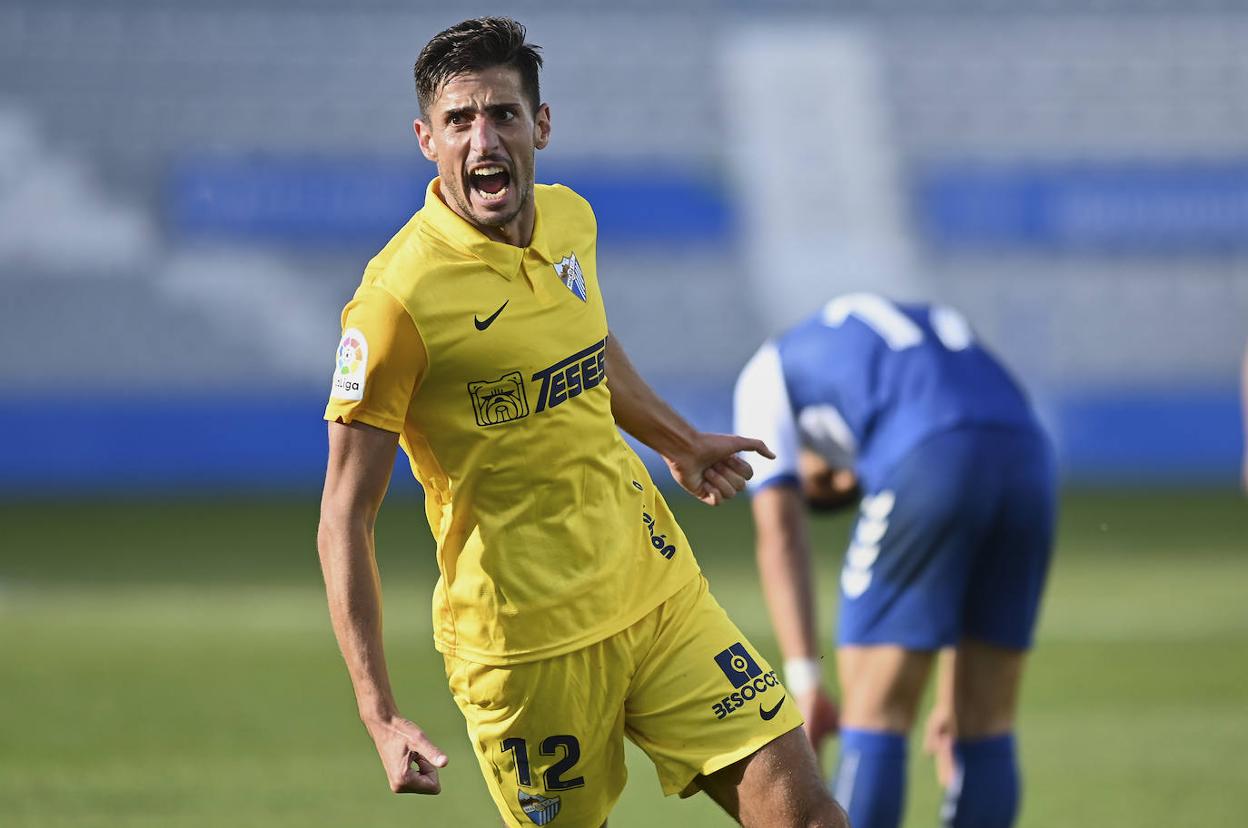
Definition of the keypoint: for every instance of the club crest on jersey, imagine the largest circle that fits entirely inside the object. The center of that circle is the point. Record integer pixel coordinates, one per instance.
(569, 270)
(541, 809)
(499, 401)
(350, 365)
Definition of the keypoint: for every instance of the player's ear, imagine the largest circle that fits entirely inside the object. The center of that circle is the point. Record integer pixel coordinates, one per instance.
(541, 127)
(424, 136)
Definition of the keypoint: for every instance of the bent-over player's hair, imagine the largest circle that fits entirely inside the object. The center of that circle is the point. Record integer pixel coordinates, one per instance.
(474, 45)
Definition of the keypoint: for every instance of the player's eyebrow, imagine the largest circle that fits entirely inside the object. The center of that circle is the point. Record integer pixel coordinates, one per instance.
(458, 112)
(494, 109)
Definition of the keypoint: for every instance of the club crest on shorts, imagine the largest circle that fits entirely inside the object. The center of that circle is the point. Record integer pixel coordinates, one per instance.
(569, 270)
(541, 809)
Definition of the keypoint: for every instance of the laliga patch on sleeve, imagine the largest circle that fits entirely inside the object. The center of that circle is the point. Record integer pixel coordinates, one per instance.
(350, 366)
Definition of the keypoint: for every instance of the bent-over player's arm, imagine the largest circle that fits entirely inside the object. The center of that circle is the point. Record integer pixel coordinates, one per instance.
(761, 406)
(361, 458)
(782, 547)
(706, 465)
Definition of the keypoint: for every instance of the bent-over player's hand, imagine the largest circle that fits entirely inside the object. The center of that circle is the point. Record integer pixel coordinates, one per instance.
(410, 759)
(822, 717)
(938, 738)
(710, 469)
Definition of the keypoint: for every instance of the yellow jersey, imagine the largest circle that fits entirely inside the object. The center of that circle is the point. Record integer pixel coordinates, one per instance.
(488, 360)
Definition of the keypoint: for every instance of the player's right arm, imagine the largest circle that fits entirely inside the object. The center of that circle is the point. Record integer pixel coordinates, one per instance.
(360, 460)
(380, 361)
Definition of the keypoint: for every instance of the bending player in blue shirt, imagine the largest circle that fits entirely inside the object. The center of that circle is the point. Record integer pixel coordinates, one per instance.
(949, 553)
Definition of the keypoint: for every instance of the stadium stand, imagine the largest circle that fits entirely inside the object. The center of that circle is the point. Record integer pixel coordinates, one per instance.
(1102, 155)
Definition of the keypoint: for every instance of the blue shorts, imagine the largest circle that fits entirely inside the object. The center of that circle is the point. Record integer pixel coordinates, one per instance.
(955, 544)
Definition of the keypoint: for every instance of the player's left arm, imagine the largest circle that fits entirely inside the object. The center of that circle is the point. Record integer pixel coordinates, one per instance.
(705, 465)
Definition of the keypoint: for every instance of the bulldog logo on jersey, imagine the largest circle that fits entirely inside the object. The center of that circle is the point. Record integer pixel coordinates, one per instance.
(499, 401)
(569, 271)
(540, 809)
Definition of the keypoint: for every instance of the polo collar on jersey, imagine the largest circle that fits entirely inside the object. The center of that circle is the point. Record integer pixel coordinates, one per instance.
(506, 259)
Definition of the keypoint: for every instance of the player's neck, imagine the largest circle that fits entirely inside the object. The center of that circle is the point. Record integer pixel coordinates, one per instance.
(518, 232)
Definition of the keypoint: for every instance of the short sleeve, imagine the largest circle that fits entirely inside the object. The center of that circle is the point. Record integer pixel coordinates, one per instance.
(379, 363)
(762, 410)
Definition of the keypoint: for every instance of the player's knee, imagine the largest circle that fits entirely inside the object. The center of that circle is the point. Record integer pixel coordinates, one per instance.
(883, 686)
(838, 818)
(791, 809)
(892, 713)
(983, 722)
(781, 788)
(986, 688)
(823, 812)
(985, 708)
(988, 712)
(831, 816)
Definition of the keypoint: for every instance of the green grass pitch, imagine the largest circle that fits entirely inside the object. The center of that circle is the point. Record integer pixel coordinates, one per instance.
(171, 664)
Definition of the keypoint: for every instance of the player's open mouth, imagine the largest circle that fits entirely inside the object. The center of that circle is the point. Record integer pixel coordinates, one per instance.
(490, 182)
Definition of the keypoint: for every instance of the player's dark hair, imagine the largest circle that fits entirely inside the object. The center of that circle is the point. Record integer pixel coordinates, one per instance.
(474, 45)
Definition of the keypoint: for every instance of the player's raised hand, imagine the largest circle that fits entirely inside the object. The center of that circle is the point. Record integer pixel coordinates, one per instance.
(410, 759)
(710, 470)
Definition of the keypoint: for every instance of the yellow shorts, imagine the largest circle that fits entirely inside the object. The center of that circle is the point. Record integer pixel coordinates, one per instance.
(682, 683)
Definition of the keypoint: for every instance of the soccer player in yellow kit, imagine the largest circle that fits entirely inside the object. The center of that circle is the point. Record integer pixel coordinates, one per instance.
(570, 610)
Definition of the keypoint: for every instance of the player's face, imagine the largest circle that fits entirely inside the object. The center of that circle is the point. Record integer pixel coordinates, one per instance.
(483, 136)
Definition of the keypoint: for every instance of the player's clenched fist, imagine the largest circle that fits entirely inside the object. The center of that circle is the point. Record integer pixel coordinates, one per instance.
(411, 760)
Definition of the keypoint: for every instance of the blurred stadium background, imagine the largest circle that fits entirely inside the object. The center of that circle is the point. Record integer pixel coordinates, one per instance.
(189, 192)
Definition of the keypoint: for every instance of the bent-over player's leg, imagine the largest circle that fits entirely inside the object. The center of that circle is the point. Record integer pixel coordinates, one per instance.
(902, 589)
(881, 688)
(986, 683)
(901, 594)
(986, 785)
(1002, 603)
(778, 786)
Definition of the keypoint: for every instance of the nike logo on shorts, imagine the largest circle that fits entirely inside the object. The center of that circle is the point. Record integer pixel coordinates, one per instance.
(768, 715)
(489, 320)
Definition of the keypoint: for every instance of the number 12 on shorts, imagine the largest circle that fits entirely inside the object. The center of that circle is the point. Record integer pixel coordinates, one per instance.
(564, 746)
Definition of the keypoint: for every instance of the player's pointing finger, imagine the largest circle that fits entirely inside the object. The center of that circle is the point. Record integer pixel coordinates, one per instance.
(750, 444)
